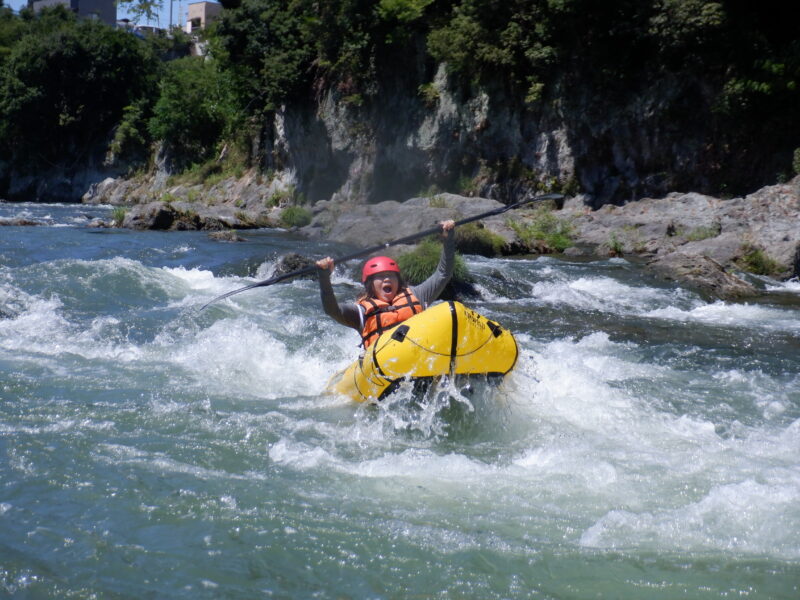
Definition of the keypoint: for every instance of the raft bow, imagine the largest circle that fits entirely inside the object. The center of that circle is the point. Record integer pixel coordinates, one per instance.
(445, 339)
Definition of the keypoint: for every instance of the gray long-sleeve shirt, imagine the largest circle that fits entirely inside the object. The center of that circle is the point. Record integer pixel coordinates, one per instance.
(351, 314)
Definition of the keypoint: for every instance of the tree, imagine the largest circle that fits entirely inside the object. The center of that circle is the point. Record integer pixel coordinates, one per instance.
(64, 86)
(194, 109)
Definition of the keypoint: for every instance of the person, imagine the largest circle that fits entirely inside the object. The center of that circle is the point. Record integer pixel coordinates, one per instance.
(386, 299)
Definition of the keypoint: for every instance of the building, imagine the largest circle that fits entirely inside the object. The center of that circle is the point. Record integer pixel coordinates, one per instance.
(102, 10)
(201, 14)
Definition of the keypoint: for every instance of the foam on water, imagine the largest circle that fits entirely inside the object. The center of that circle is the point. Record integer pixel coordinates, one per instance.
(149, 429)
(603, 294)
(791, 285)
(239, 355)
(673, 481)
(734, 315)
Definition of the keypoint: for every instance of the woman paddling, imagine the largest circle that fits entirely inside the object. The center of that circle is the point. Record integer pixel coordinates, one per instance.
(386, 300)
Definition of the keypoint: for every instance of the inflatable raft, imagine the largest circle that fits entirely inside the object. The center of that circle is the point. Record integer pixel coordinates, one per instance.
(445, 339)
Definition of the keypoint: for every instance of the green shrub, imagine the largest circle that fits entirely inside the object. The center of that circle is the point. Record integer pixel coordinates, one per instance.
(544, 227)
(195, 109)
(703, 233)
(295, 216)
(420, 263)
(429, 94)
(615, 247)
(476, 239)
(130, 137)
(281, 196)
(467, 186)
(118, 215)
(755, 260)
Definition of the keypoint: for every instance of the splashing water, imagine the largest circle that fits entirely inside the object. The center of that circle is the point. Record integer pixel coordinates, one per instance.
(646, 444)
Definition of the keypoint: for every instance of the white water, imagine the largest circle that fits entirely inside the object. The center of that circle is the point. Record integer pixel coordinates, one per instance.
(643, 430)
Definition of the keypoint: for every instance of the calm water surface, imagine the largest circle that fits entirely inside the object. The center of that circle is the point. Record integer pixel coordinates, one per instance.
(646, 446)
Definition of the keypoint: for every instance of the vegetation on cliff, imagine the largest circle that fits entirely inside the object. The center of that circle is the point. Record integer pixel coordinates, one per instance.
(726, 72)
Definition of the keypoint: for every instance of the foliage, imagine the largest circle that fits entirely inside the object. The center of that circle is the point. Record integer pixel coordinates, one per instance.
(194, 109)
(755, 260)
(266, 46)
(169, 45)
(489, 40)
(730, 70)
(295, 216)
(118, 215)
(420, 263)
(209, 172)
(130, 136)
(142, 9)
(11, 29)
(429, 93)
(704, 232)
(615, 246)
(476, 239)
(545, 227)
(60, 87)
(281, 196)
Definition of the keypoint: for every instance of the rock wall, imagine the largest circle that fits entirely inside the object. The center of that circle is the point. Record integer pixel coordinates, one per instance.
(483, 142)
(403, 145)
(413, 138)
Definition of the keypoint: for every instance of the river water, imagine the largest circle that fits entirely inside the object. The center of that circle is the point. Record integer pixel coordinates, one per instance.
(647, 445)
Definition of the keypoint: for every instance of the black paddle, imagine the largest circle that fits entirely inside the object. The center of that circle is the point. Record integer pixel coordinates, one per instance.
(397, 242)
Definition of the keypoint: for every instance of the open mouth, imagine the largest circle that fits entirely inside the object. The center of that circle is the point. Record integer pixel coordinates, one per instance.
(387, 288)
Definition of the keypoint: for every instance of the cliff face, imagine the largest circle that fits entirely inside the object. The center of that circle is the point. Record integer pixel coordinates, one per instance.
(412, 140)
(481, 142)
(405, 145)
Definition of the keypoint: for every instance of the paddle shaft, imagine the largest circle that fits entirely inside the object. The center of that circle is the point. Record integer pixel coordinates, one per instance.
(371, 250)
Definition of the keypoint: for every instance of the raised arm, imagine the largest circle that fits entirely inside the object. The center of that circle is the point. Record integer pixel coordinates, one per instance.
(430, 289)
(346, 315)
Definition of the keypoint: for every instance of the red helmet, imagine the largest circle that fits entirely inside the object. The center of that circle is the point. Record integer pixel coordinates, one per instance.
(379, 264)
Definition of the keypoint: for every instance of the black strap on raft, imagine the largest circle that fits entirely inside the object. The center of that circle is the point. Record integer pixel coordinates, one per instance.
(494, 328)
(400, 333)
(453, 338)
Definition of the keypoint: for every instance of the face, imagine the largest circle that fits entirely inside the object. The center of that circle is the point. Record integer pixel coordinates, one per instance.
(384, 286)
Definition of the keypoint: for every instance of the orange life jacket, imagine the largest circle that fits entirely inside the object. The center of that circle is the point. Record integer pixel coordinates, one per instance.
(380, 316)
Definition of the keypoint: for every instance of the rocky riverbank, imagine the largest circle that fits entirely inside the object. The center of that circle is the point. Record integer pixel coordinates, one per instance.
(703, 242)
(706, 243)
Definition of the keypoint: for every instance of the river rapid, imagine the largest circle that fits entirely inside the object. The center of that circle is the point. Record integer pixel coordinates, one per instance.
(647, 444)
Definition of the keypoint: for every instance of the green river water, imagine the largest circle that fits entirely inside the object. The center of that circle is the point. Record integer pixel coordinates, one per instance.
(647, 444)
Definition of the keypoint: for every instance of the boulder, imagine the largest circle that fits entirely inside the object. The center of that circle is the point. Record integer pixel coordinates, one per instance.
(704, 274)
(188, 216)
(154, 215)
(294, 262)
(228, 235)
(372, 224)
(18, 222)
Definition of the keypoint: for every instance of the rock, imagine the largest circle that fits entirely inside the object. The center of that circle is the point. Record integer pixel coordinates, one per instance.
(229, 235)
(154, 215)
(18, 222)
(372, 224)
(294, 262)
(704, 274)
(574, 251)
(187, 216)
(691, 238)
(698, 225)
